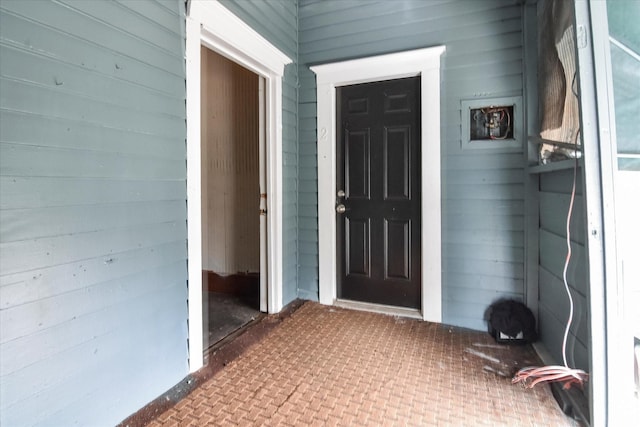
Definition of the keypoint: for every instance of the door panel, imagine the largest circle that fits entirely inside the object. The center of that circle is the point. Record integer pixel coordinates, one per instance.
(357, 157)
(357, 233)
(378, 152)
(397, 242)
(396, 163)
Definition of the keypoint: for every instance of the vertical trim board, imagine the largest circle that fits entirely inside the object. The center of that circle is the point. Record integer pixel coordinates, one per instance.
(423, 62)
(212, 25)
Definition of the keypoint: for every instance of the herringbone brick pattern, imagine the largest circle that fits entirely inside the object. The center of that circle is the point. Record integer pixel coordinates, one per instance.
(331, 366)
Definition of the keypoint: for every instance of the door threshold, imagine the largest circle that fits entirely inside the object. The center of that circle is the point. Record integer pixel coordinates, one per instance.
(213, 348)
(390, 310)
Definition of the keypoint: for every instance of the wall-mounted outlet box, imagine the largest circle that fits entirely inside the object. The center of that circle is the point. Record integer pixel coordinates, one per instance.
(492, 123)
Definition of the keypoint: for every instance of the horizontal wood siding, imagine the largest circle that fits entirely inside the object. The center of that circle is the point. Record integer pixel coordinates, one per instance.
(482, 190)
(93, 233)
(277, 21)
(555, 195)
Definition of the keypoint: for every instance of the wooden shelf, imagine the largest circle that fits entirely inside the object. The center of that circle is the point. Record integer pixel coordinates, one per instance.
(555, 166)
(539, 141)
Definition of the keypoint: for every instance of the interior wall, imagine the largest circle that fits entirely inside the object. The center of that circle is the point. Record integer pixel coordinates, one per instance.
(230, 166)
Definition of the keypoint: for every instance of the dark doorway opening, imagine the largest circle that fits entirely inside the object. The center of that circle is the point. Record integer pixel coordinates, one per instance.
(232, 301)
(231, 195)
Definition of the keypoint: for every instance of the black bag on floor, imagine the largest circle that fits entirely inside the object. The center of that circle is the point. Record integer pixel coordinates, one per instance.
(511, 321)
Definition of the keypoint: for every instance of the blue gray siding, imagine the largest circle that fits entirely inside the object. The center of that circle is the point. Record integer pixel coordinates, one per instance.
(92, 214)
(482, 190)
(277, 21)
(553, 309)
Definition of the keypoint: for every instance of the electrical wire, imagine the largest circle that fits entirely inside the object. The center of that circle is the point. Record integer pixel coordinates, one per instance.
(504, 111)
(532, 375)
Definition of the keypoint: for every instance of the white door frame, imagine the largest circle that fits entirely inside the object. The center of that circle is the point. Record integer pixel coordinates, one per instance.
(420, 62)
(210, 24)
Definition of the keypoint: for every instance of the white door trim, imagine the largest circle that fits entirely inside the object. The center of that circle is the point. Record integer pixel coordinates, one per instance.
(422, 62)
(210, 24)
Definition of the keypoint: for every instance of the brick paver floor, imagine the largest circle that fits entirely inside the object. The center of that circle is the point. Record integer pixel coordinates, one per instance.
(332, 366)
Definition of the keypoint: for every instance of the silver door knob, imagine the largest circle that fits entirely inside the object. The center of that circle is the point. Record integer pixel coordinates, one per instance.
(340, 209)
(341, 193)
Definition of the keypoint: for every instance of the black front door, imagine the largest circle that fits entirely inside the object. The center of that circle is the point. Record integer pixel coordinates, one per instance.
(378, 194)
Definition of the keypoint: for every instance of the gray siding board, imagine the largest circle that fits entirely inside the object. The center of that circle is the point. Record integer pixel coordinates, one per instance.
(55, 162)
(390, 17)
(483, 298)
(507, 270)
(505, 285)
(484, 192)
(69, 20)
(44, 252)
(482, 56)
(25, 224)
(560, 182)
(467, 315)
(558, 304)
(488, 207)
(25, 287)
(46, 344)
(485, 71)
(72, 134)
(92, 209)
(484, 252)
(69, 49)
(52, 102)
(552, 205)
(114, 15)
(554, 196)
(156, 13)
(476, 86)
(379, 40)
(69, 308)
(55, 396)
(507, 239)
(492, 177)
(478, 159)
(553, 252)
(20, 65)
(274, 20)
(36, 192)
(552, 330)
(472, 221)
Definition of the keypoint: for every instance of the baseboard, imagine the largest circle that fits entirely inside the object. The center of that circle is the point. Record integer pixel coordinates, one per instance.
(233, 284)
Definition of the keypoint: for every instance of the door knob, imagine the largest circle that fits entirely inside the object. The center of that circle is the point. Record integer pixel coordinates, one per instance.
(341, 193)
(341, 209)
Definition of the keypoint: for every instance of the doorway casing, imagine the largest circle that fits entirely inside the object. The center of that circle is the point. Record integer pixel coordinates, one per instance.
(420, 62)
(211, 25)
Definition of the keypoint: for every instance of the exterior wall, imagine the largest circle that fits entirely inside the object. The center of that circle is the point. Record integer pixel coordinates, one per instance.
(277, 21)
(92, 212)
(483, 190)
(549, 194)
(553, 307)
